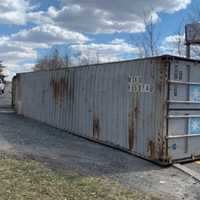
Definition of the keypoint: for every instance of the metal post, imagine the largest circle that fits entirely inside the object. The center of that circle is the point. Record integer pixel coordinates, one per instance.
(188, 50)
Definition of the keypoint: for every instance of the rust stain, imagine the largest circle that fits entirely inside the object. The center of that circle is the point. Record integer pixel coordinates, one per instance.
(161, 142)
(162, 148)
(159, 146)
(163, 77)
(61, 88)
(152, 150)
(131, 127)
(131, 130)
(56, 89)
(96, 127)
(132, 124)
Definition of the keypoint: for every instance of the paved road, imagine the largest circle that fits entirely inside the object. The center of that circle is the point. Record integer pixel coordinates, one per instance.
(28, 138)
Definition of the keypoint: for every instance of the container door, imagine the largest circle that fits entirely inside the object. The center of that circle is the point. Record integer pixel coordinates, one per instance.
(184, 111)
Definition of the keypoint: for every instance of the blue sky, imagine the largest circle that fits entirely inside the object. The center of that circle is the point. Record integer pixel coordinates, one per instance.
(96, 30)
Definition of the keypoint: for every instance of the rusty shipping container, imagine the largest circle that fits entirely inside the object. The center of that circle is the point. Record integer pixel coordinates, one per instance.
(149, 107)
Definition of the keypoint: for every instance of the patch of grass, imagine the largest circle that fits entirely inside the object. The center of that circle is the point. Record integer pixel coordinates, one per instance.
(25, 180)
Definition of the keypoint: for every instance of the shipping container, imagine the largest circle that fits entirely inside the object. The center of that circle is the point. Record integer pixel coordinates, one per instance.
(149, 107)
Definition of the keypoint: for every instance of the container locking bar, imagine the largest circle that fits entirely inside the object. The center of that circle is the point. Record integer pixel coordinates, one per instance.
(182, 136)
(183, 102)
(183, 82)
(182, 116)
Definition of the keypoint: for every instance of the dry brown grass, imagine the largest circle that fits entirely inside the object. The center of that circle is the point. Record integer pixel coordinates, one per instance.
(25, 179)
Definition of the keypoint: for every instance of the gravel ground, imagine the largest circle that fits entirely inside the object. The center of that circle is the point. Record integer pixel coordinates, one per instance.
(28, 138)
(5, 99)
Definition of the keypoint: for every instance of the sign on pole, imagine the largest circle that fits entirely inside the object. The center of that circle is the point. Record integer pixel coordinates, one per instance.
(192, 33)
(192, 36)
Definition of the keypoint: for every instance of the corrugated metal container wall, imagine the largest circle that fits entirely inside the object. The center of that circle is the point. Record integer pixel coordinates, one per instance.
(121, 104)
(184, 110)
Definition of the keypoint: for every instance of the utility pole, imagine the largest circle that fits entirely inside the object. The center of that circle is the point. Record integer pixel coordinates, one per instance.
(188, 55)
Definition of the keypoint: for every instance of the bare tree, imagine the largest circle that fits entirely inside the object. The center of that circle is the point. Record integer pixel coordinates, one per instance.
(66, 60)
(84, 57)
(84, 60)
(178, 43)
(97, 57)
(42, 64)
(2, 67)
(147, 42)
(179, 40)
(52, 61)
(150, 37)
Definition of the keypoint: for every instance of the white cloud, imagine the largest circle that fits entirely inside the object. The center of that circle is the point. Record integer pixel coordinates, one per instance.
(48, 34)
(39, 18)
(69, 23)
(13, 11)
(17, 61)
(22, 47)
(174, 45)
(90, 16)
(108, 16)
(116, 50)
(92, 53)
(171, 6)
(13, 52)
(12, 69)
